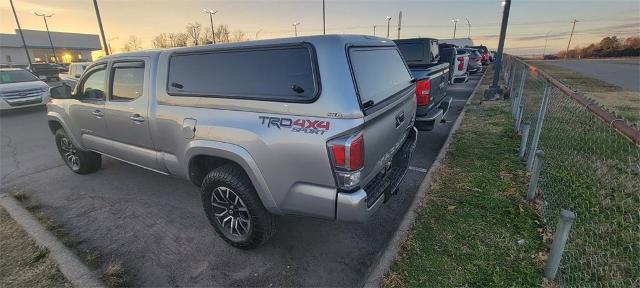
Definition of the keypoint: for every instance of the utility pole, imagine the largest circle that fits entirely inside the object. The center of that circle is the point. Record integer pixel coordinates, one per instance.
(374, 30)
(455, 27)
(494, 89)
(104, 39)
(44, 17)
(295, 28)
(24, 43)
(213, 31)
(324, 23)
(546, 39)
(469, 24)
(399, 23)
(566, 54)
(388, 21)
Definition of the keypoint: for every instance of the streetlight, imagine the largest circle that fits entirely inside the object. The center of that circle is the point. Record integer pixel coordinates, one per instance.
(211, 13)
(388, 21)
(546, 39)
(44, 17)
(258, 32)
(374, 30)
(468, 23)
(455, 26)
(104, 40)
(295, 28)
(324, 22)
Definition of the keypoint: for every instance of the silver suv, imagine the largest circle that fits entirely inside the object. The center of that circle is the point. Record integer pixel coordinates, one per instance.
(317, 126)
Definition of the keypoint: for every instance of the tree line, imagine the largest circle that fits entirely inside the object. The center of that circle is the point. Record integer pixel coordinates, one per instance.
(611, 46)
(193, 35)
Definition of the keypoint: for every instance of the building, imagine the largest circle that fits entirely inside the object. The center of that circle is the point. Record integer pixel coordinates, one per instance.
(69, 47)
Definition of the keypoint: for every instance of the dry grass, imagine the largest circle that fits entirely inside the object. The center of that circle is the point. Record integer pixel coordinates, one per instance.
(624, 103)
(22, 262)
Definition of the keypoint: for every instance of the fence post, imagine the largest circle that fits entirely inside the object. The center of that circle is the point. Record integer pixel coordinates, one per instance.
(520, 94)
(539, 122)
(535, 175)
(519, 116)
(559, 240)
(524, 136)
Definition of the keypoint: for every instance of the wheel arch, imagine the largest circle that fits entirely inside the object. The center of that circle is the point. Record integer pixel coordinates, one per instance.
(202, 156)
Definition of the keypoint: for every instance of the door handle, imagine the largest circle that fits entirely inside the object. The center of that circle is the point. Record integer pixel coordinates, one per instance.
(137, 118)
(97, 113)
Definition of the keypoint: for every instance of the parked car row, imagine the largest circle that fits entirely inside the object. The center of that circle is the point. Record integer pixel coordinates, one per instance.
(287, 142)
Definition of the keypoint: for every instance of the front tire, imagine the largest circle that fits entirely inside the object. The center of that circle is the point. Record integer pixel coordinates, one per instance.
(79, 161)
(234, 209)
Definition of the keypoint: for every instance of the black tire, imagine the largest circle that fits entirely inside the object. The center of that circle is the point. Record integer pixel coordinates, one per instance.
(85, 162)
(262, 224)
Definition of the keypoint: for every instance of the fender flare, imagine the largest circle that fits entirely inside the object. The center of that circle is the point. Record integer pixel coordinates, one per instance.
(55, 116)
(238, 155)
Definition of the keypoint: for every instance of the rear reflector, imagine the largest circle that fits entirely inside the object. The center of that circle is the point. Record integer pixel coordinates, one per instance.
(423, 92)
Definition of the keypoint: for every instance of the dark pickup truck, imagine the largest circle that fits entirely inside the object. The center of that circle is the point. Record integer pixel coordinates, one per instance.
(45, 71)
(431, 77)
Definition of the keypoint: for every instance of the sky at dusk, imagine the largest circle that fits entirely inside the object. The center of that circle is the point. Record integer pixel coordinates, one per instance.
(530, 21)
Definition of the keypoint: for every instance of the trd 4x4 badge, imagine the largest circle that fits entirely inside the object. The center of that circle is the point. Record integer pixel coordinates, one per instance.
(296, 125)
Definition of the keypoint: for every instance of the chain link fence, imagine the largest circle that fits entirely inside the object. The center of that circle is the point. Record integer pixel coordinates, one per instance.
(589, 164)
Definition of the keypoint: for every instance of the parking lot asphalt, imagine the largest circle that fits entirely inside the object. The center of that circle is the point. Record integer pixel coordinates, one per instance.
(623, 72)
(155, 225)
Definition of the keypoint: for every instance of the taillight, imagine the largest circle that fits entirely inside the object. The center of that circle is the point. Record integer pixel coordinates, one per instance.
(460, 63)
(423, 92)
(347, 157)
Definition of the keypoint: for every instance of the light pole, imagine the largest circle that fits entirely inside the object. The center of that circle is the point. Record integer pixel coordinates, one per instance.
(494, 89)
(455, 27)
(24, 43)
(258, 32)
(104, 40)
(44, 17)
(469, 24)
(211, 13)
(374, 30)
(388, 24)
(324, 23)
(295, 28)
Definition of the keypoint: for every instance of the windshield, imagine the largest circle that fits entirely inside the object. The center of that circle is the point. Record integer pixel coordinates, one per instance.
(14, 76)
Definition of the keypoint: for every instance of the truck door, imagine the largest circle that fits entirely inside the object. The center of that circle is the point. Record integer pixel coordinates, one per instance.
(88, 109)
(127, 111)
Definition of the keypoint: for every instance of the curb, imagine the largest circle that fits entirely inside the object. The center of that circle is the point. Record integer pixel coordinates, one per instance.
(69, 264)
(376, 274)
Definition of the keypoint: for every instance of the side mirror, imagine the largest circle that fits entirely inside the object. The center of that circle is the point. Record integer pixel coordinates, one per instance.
(61, 92)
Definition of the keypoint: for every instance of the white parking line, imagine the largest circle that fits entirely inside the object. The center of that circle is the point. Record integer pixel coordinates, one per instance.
(418, 169)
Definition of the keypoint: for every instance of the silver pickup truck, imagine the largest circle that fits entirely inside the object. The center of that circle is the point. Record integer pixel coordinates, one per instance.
(318, 126)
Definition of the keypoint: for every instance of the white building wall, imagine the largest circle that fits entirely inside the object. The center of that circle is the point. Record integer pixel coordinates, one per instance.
(13, 55)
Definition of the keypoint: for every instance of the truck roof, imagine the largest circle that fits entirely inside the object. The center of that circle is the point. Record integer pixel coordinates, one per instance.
(317, 40)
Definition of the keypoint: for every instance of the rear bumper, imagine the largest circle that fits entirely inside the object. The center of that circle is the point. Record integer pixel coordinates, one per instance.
(434, 117)
(359, 205)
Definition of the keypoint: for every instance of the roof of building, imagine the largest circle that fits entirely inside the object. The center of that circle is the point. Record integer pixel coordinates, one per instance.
(40, 39)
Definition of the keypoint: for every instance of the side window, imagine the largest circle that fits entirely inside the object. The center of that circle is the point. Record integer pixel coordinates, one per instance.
(127, 81)
(94, 85)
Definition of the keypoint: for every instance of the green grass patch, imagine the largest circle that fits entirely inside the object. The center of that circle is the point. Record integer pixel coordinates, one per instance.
(473, 228)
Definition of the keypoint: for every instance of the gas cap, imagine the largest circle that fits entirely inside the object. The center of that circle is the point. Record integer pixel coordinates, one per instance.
(189, 128)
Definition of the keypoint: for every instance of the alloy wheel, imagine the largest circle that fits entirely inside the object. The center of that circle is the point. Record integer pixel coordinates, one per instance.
(70, 153)
(230, 211)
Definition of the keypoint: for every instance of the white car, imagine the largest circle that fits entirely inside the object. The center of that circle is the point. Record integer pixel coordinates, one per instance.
(19, 88)
(460, 70)
(75, 71)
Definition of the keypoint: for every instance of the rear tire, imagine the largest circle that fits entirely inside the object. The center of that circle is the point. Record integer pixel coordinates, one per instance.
(234, 208)
(79, 161)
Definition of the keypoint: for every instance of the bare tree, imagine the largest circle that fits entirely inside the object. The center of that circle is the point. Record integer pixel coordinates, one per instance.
(133, 44)
(161, 41)
(193, 31)
(206, 37)
(238, 36)
(222, 34)
(178, 39)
